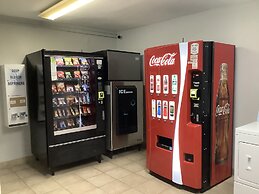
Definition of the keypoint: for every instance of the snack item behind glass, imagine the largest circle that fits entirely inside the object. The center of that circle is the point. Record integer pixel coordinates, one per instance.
(70, 100)
(83, 61)
(59, 112)
(88, 99)
(75, 61)
(85, 67)
(59, 60)
(68, 75)
(84, 99)
(72, 111)
(55, 102)
(85, 87)
(79, 122)
(76, 99)
(84, 110)
(60, 74)
(77, 74)
(54, 88)
(88, 110)
(61, 101)
(77, 88)
(55, 125)
(70, 123)
(62, 125)
(68, 61)
(52, 61)
(76, 111)
(68, 112)
(60, 87)
(85, 75)
(70, 88)
(55, 113)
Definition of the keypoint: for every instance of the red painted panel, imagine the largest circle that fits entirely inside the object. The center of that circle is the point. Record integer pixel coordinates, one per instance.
(159, 160)
(222, 113)
(191, 134)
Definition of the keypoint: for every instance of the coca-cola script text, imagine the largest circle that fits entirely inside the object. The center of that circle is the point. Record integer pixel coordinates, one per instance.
(167, 59)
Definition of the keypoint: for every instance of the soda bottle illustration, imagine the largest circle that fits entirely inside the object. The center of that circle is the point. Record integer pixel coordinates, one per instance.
(222, 117)
(165, 84)
(159, 109)
(152, 84)
(165, 109)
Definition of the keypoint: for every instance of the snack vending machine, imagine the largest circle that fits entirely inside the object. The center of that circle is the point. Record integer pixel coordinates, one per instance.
(66, 106)
(189, 112)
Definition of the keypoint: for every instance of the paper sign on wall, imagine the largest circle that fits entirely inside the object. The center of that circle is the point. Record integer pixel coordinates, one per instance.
(15, 95)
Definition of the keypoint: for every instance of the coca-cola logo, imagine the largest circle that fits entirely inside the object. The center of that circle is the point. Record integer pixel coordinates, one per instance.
(167, 59)
(223, 110)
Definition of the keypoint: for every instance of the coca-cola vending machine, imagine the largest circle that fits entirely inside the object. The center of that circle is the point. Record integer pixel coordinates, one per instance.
(189, 112)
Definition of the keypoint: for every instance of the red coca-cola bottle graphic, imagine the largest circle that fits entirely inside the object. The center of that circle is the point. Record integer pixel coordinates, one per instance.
(222, 117)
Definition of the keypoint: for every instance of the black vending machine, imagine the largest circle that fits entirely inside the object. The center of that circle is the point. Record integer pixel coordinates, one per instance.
(66, 107)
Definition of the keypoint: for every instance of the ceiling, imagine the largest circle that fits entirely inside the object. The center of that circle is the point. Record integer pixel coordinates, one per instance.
(115, 15)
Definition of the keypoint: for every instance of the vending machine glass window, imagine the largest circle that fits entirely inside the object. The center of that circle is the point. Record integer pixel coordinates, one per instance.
(73, 94)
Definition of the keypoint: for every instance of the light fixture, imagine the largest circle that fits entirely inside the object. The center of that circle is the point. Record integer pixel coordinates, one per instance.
(63, 7)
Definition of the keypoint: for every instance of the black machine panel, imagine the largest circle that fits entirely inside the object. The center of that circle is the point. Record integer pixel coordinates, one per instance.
(66, 106)
(126, 103)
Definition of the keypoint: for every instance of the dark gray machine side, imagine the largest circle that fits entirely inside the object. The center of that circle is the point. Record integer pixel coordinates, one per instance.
(121, 65)
(36, 104)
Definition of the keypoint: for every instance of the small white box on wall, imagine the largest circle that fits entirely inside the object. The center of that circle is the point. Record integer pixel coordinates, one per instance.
(14, 95)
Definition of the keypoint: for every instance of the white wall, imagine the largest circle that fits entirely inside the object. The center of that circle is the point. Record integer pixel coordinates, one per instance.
(17, 40)
(237, 25)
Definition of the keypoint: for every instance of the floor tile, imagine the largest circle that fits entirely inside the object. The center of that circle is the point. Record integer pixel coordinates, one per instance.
(151, 187)
(9, 177)
(95, 191)
(59, 191)
(115, 187)
(46, 186)
(80, 187)
(13, 186)
(19, 167)
(222, 188)
(23, 191)
(136, 156)
(131, 191)
(36, 179)
(100, 180)
(118, 172)
(88, 172)
(126, 173)
(133, 180)
(142, 162)
(134, 167)
(105, 166)
(145, 174)
(5, 171)
(121, 161)
(174, 190)
(68, 179)
(24, 173)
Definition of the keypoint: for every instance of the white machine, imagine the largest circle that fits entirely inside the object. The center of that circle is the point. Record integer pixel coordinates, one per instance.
(14, 95)
(247, 159)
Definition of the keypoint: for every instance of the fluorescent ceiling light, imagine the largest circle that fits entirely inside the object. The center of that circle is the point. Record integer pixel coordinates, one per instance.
(63, 7)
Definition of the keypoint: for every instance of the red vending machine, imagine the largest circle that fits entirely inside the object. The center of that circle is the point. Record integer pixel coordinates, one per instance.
(189, 112)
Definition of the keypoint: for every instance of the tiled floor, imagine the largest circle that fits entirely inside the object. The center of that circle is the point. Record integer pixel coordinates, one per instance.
(124, 174)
